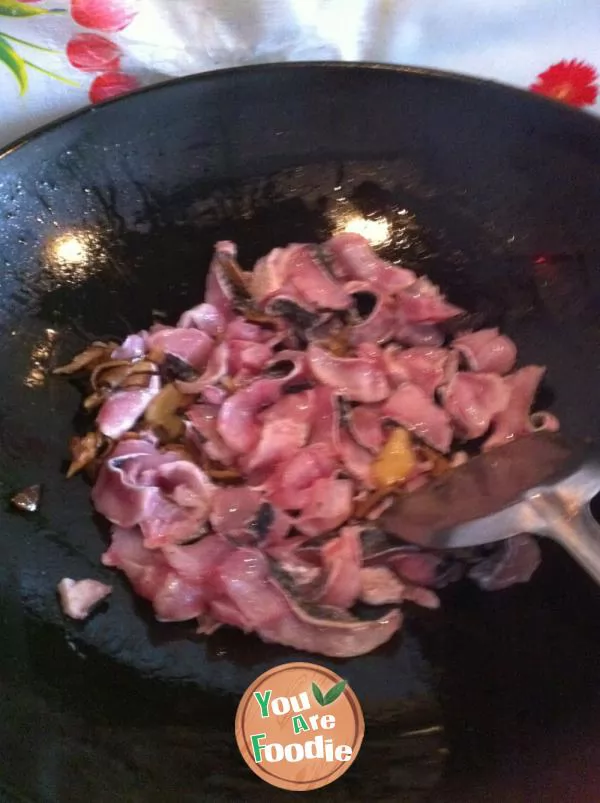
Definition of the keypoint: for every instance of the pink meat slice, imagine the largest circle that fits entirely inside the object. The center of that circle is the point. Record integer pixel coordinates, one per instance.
(214, 394)
(328, 507)
(299, 372)
(191, 345)
(289, 487)
(338, 639)
(197, 562)
(179, 506)
(233, 508)
(270, 274)
(173, 598)
(422, 302)
(146, 569)
(413, 409)
(380, 586)
(203, 421)
(246, 355)
(285, 430)
(177, 600)
(365, 422)
(205, 317)
(487, 350)
(303, 428)
(356, 459)
(237, 422)
(424, 366)
(473, 400)
(122, 409)
(361, 379)
(417, 568)
(215, 292)
(417, 334)
(217, 368)
(79, 597)
(514, 419)
(354, 259)
(119, 492)
(132, 348)
(380, 325)
(313, 283)
(327, 418)
(252, 601)
(168, 497)
(242, 581)
(342, 560)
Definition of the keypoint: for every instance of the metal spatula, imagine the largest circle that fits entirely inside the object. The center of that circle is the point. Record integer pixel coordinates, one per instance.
(541, 483)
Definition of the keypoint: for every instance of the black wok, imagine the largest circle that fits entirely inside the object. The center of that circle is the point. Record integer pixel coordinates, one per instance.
(111, 214)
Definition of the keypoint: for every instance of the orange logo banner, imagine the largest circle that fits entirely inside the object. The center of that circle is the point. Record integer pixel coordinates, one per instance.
(299, 726)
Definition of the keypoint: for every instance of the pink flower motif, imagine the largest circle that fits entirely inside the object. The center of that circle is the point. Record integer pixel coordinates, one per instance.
(104, 15)
(91, 52)
(111, 85)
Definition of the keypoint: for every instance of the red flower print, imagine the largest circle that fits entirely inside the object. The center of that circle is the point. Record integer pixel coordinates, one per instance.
(573, 82)
(104, 15)
(111, 85)
(91, 52)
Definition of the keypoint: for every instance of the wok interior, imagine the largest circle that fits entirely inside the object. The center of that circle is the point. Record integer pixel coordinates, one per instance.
(489, 192)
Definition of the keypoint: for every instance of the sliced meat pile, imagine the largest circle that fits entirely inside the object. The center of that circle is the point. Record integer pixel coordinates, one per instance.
(242, 454)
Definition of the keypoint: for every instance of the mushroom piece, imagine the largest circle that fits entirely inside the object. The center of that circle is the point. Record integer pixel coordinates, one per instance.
(92, 356)
(162, 414)
(85, 450)
(122, 373)
(28, 499)
(439, 463)
(396, 460)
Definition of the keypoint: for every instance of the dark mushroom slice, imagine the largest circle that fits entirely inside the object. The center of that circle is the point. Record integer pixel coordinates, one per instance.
(173, 368)
(261, 524)
(301, 318)
(233, 280)
(303, 580)
(378, 546)
(279, 369)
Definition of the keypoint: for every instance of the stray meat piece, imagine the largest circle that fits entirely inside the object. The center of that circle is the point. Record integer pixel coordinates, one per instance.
(79, 597)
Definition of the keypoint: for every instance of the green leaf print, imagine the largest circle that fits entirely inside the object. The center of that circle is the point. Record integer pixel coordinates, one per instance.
(12, 8)
(15, 64)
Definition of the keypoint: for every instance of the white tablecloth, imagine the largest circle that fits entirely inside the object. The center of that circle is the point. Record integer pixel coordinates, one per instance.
(44, 44)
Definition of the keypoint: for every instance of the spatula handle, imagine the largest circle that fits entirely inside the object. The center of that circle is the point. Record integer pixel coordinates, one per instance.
(574, 528)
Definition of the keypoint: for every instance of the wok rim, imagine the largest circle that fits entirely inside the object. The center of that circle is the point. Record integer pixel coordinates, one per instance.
(461, 79)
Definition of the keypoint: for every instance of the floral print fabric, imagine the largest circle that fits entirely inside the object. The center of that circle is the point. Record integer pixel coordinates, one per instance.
(59, 55)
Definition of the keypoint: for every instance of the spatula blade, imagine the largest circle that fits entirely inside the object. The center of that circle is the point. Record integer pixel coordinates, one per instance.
(482, 501)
